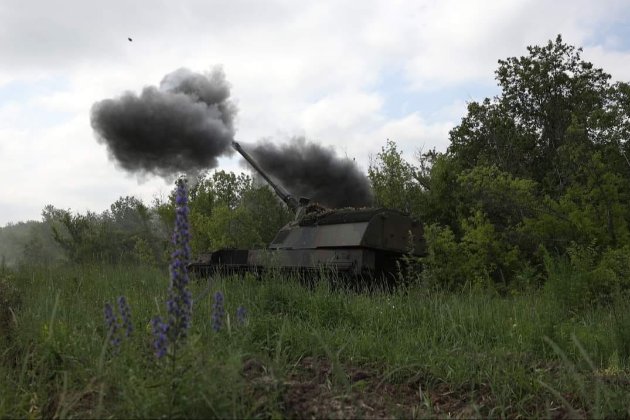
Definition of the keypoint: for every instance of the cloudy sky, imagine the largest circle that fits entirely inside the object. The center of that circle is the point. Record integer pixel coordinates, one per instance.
(348, 74)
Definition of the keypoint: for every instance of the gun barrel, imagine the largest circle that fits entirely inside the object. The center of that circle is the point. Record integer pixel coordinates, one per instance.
(286, 197)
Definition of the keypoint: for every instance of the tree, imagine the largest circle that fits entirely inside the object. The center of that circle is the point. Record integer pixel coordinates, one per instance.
(125, 233)
(393, 179)
(230, 210)
(77, 234)
(560, 123)
(555, 110)
(542, 166)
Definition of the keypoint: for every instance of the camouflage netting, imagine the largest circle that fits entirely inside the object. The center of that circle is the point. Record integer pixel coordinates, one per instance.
(343, 215)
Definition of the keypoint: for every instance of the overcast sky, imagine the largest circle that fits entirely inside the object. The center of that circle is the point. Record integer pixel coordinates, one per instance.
(349, 74)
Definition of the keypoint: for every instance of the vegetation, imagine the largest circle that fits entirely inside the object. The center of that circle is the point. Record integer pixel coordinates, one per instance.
(227, 210)
(300, 352)
(521, 307)
(539, 171)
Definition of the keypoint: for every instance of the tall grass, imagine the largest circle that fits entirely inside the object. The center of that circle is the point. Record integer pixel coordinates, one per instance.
(523, 355)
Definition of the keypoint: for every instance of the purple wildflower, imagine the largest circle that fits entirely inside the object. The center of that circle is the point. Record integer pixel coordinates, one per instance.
(112, 324)
(125, 314)
(179, 302)
(160, 334)
(241, 314)
(110, 319)
(218, 311)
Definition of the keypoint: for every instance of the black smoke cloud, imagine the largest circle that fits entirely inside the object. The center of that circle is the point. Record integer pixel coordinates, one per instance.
(310, 170)
(187, 123)
(183, 125)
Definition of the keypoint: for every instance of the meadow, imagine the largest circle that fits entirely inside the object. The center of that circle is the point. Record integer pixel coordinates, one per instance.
(297, 351)
(520, 306)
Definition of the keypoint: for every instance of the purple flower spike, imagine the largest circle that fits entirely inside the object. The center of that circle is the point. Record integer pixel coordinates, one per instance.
(218, 311)
(241, 315)
(112, 324)
(179, 303)
(160, 337)
(180, 299)
(125, 314)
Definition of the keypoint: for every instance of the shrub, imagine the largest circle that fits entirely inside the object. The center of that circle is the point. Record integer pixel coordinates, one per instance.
(9, 302)
(588, 278)
(445, 262)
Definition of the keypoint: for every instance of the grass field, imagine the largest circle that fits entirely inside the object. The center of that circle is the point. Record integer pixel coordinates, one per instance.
(305, 352)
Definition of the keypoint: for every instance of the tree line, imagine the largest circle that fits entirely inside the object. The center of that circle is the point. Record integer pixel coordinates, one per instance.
(226, 210)
(536, 181)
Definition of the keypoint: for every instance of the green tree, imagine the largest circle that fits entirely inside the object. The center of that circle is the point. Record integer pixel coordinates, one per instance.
(542, 166)
(393, 180)
(560, 123)
(555, 110)
(230, 210)
(77, 234)
(127, 232)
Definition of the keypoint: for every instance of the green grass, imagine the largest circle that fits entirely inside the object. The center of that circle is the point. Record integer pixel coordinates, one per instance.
(469, 354)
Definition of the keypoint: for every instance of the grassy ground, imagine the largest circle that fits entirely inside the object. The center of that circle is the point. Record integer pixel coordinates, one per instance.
(320, 352)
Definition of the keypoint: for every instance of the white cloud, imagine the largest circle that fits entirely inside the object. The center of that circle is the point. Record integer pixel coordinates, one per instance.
(62, 165)
(613, 62)
(412, 133)
(296, 68)
(341, 111)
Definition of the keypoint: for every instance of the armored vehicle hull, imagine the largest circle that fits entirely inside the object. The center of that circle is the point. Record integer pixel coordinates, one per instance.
(350, 241)
(356, 242)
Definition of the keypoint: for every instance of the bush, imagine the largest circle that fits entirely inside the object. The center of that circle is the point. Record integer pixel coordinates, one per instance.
(621, 328)
(585, 278)
(444, 265)
(617, 262)
(9, 302)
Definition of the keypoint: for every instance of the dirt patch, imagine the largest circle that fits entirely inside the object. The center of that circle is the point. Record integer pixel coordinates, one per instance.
(315, 388)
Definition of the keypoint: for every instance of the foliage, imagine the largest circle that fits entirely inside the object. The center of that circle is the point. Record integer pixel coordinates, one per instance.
(584, 277)
(124, 233)
(557, 123)
(9, 303)
(227, 210)
(446, 262)
(542, 166)
(232, 211)
(476, 347)
(393, 179)
(28, 243)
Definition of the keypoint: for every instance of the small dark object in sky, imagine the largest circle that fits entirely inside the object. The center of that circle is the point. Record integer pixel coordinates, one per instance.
(130, 40)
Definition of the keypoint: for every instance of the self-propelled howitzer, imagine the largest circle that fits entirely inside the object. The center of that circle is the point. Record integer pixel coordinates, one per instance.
(368, 242)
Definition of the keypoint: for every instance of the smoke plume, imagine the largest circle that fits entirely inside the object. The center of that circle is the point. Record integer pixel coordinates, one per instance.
(183, 125)
(311, 170)
(186, 123)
